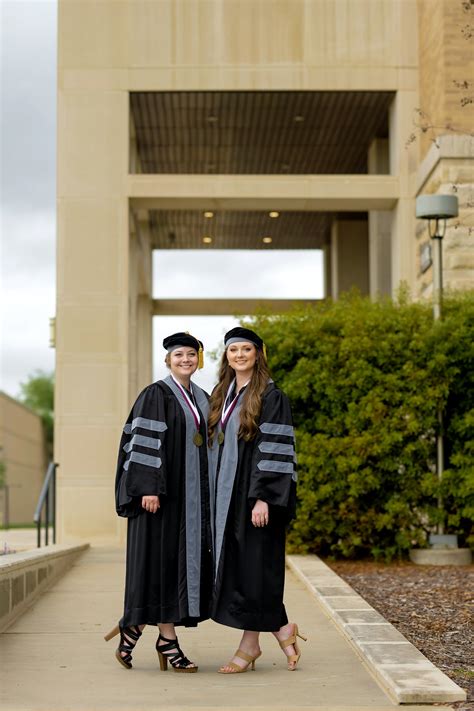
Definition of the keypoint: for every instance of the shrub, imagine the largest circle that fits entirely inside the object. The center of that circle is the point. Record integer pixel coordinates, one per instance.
(366, 381)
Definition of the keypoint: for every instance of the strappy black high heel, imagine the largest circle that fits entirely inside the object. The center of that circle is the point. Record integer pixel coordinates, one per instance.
(129, 636)
(171, 651)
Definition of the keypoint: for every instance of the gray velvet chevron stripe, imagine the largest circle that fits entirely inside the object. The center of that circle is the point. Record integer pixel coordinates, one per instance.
(277, 450)
(147, 459)
(141, 458)
(275, 429)
(270, 465)
(141, 441)
(145, 424)
(193, 495)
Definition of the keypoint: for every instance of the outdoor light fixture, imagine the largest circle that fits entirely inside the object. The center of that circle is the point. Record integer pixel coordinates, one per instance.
(267, 240)
(208, 214)
(274, 213)
(436, 209)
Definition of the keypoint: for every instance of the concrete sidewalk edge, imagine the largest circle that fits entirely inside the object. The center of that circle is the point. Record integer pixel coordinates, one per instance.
(402, 671)
(24, 576)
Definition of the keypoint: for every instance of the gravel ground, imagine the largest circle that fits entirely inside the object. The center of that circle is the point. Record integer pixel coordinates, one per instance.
(432, 606)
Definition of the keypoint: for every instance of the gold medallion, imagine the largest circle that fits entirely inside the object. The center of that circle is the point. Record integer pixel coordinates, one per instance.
(198, 439)
(220, 437)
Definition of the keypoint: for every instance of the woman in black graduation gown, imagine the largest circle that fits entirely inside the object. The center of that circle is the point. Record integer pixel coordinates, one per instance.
(162, 487)
(253, 463)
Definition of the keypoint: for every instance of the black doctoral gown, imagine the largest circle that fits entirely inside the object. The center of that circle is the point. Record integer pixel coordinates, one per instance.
(169, 553)
(250, 561)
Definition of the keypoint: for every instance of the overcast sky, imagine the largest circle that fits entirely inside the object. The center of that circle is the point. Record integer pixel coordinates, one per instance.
(28, 224)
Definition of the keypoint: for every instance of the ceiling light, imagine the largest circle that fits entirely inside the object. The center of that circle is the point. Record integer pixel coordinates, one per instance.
(274, 213)
(298, 118)
(208, 214)
(212, 118)
(267, 240)
(207, 240)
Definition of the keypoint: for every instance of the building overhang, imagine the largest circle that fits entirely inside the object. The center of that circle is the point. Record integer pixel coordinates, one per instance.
(317, 193)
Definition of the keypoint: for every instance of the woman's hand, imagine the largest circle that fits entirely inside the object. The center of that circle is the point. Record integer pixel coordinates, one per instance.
(260, 514)
(151, 503)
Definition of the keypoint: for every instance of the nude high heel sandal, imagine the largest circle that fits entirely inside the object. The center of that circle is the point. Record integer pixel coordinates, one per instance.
(293, 659)
(235, 667)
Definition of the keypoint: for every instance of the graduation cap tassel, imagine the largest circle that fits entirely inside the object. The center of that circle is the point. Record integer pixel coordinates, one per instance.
(200, 358)
(264, 348)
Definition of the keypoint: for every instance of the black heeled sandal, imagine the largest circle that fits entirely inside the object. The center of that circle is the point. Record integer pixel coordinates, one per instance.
(129, 636)
(171, 651)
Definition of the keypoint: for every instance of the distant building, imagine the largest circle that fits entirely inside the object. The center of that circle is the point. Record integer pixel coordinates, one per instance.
(169, 109)
(23, 455)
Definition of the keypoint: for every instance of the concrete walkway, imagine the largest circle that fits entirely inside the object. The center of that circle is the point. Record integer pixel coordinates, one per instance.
(54, 657)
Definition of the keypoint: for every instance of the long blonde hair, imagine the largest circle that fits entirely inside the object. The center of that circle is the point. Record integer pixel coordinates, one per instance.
(251, 401)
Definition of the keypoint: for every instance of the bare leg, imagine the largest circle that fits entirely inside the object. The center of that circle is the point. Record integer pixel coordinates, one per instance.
(248, 644)
(282, 634)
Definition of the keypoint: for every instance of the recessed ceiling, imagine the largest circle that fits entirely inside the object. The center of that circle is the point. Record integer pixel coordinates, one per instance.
(186, 229)
(257, 132)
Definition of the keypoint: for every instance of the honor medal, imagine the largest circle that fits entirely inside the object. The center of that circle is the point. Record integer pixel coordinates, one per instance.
(220, 438)
(198, 439)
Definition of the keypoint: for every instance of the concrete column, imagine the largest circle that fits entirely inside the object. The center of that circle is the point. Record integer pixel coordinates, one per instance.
(403, 163)
(349, 256)
(379, 227)
(92, 345)
(327, 270)
(140, 307)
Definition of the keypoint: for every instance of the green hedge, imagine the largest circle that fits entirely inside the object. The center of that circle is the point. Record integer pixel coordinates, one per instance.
(366, 381)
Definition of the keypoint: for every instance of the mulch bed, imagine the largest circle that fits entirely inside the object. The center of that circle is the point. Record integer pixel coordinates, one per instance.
(433, 607)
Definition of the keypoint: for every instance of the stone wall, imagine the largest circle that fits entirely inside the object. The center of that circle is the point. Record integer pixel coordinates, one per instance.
(446, 62)
(449, 170)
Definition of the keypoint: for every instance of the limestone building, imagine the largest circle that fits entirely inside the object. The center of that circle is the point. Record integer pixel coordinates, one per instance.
(169, 109)
(23, 458)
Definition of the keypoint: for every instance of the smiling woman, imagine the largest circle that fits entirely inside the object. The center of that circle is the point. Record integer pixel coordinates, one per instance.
(253, 464)
(162, 488)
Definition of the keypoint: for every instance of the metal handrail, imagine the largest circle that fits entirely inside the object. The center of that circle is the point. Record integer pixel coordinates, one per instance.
(49, 487)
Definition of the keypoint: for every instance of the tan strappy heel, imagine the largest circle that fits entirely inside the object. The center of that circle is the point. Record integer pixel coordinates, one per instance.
(235, 667)
(293, 659)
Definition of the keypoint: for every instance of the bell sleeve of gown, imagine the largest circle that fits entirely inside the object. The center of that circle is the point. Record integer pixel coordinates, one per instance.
(140, 466)
(273, 476)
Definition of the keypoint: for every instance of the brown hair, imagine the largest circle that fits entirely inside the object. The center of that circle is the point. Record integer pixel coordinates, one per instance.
(251, 401)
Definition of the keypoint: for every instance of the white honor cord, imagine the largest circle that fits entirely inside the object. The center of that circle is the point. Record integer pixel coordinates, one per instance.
(188, 399)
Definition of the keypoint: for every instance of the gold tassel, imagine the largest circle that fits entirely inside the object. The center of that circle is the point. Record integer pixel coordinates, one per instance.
(264, 348)
(200, 358)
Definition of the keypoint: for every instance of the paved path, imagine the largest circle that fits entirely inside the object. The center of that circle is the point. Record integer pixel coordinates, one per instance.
(55, 658)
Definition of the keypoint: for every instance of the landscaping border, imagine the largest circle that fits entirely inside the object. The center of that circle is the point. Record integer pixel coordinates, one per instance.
(399, 667)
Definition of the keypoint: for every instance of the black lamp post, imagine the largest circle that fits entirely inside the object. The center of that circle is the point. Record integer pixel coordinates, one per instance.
(437, 209)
